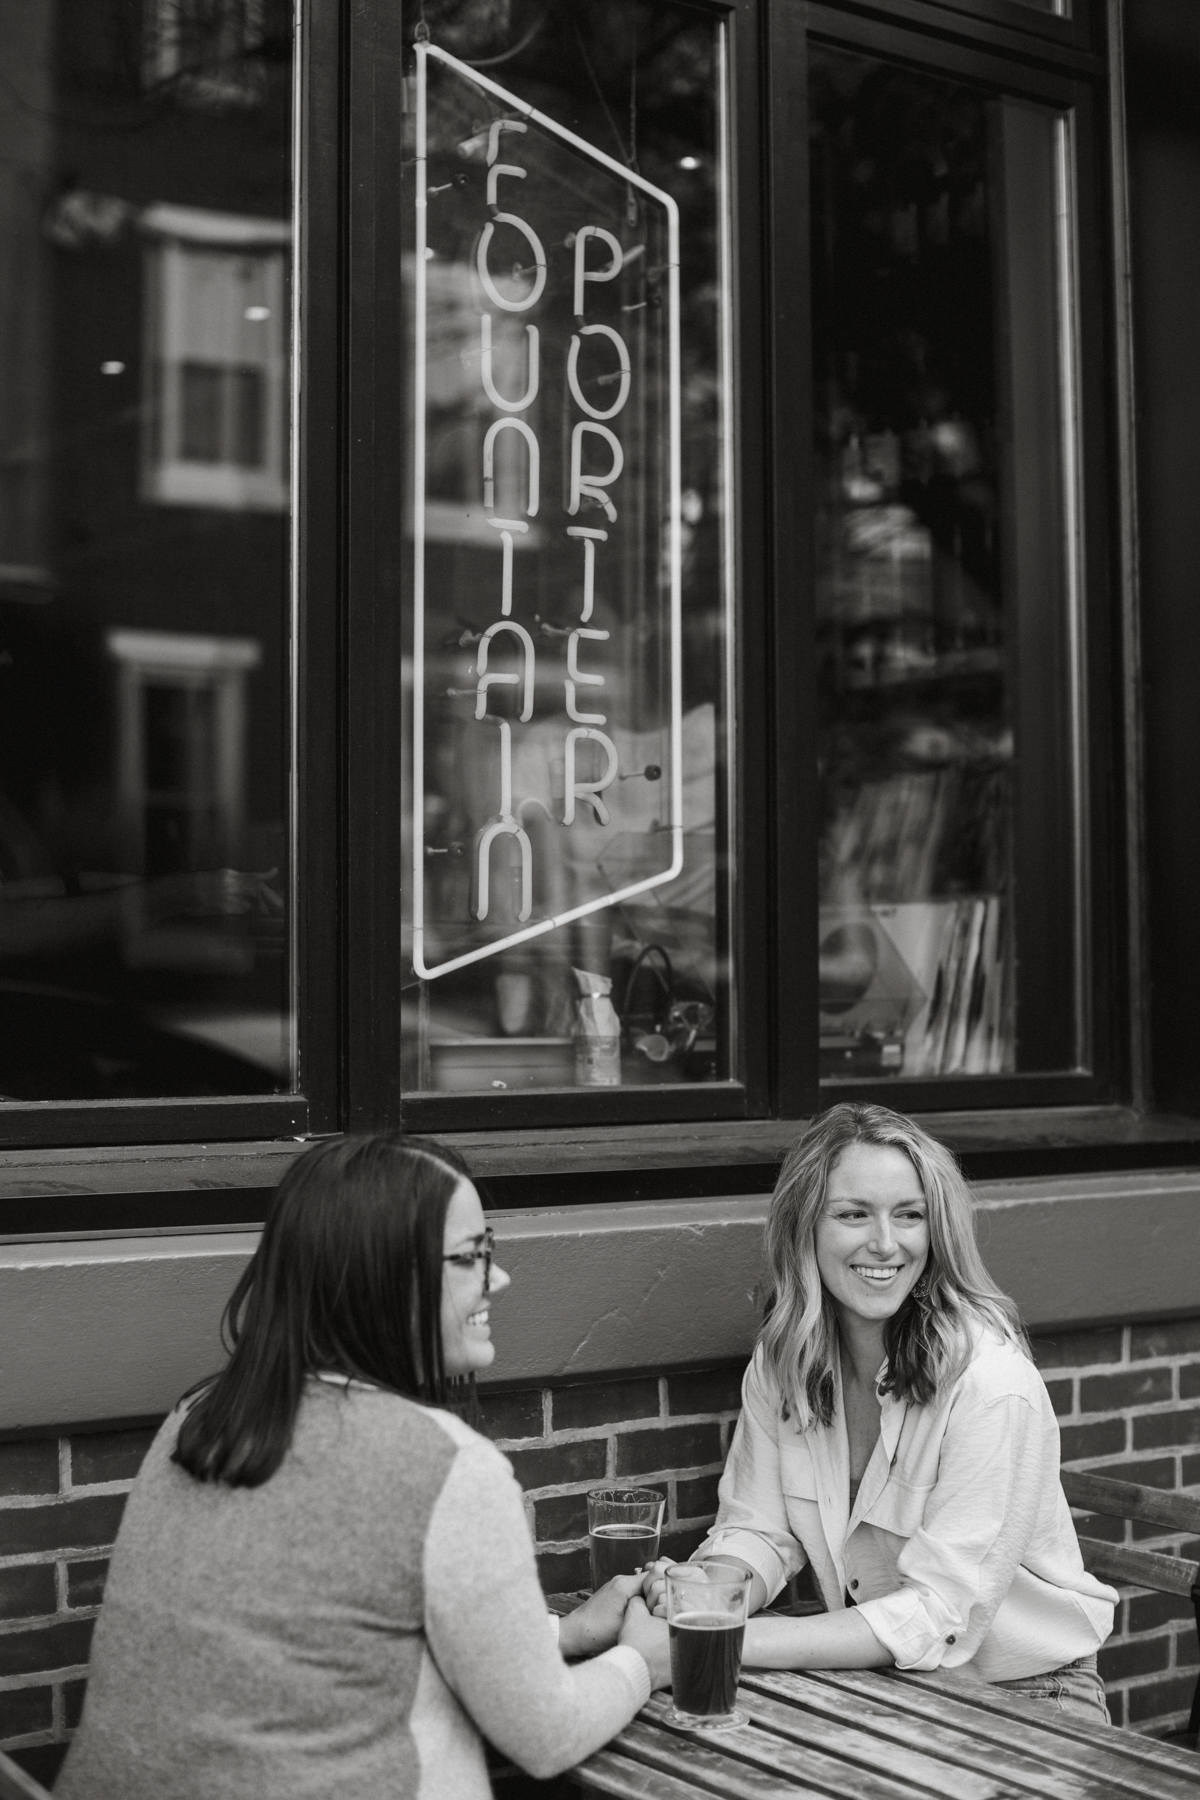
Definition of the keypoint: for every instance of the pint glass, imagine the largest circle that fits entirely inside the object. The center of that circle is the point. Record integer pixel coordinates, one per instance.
(707, 1605)
(623, 1530)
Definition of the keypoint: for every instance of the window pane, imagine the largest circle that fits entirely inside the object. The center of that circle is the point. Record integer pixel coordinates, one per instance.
(952, 926)
(569, 907)
(145, 229)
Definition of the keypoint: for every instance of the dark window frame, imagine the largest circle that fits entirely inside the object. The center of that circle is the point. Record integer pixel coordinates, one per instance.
(352, 572)
(1073, 86)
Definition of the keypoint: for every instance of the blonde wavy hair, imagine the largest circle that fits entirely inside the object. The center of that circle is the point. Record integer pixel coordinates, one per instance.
(929, 1340)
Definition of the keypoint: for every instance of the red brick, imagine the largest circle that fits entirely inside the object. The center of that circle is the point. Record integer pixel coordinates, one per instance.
(670, 1447)
(69, 1525)
(603, 1403)
(1077, 1349)
(558, 1464)
(1160, 1699)
(1174, 1338)
(1132, 1387)
(29, 1467)
(1146, 1611)
(560, 1518)
(25, 1710)
(517, 1414)
(85, 1582)
(1116, 1706)
(564, 1571)
(1107, 1438)
(1189, 1381)
(108, 1455)
(1153, 1430)
(1187, 1649)
(696, 1499)
(73, 1693)
(706, 1390)
(1191, 1471)
(27, 1591)
(1062, 1396)
(43, 1761)
(1144, 1656)
(46, 1647)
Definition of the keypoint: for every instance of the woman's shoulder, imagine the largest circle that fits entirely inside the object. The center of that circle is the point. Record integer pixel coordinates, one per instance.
(998, 1368)
(392, 1424)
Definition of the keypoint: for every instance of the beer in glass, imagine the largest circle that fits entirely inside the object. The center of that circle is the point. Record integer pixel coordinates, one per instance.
(707, 1606)
(623, 1530)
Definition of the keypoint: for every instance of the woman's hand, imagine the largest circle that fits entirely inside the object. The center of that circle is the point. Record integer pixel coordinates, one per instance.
(594, 1626)
(651, 1639)
(654, 1586)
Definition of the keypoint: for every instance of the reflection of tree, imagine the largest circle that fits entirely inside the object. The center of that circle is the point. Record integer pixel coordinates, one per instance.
(903, 290)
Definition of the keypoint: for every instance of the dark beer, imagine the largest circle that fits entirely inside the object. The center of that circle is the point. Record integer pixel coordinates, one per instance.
(621, 1550)
(706, 1656)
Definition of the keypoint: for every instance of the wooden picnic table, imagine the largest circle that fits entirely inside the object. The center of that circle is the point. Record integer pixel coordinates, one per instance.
(862, 1735)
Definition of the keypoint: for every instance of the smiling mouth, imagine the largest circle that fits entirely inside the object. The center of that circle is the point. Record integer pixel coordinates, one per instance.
(478, 1318)
(876, 1276)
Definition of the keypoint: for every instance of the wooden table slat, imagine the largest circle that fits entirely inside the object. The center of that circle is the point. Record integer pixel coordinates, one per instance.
(714, 1770)
(829, 1773)
(1158, 1773)
(1115, 1738)
(844, 1737)
(955, 1746)
(609, 1773)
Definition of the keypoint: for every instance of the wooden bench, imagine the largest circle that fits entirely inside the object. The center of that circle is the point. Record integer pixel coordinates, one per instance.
(1142, 1568)
(15, 1784)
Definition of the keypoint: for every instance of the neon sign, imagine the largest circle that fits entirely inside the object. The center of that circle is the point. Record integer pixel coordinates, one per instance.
(560, 277)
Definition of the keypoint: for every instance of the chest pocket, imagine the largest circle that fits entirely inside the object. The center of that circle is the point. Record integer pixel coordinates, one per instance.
(797, 1477)
(900, 1507)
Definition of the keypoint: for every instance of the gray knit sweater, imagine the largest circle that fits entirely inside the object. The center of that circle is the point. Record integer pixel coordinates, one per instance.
(348, 1629)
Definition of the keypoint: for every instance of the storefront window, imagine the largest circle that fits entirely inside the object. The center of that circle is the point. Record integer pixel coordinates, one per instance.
(568, 663)
(145, 222)
(953, 933)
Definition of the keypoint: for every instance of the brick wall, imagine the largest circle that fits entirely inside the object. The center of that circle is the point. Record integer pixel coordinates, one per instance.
(1128, 1401)
(61, 1500)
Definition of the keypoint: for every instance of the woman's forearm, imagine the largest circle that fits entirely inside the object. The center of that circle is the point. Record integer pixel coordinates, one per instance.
(838, 1640)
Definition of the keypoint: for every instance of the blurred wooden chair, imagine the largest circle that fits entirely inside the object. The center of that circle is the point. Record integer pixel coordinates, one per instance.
(15, 1784)
(1142, 1568)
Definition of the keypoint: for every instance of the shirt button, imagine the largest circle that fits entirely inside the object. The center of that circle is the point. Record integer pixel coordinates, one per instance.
(854, 1585)
(952, 1639)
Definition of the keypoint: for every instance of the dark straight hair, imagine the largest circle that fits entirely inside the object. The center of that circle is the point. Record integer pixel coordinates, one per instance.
(347, 1278)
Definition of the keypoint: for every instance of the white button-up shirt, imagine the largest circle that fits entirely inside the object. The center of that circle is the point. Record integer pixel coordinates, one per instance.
(960, 1547)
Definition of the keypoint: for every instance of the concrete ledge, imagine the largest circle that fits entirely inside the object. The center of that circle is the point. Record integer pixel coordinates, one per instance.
(118, 1327)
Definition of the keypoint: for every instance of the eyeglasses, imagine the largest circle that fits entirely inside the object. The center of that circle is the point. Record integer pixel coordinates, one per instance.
(484, 1251)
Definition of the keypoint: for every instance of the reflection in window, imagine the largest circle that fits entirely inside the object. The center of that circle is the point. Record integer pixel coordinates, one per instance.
(952, 931)
(145, 202)
(569, 908)
(216, 415)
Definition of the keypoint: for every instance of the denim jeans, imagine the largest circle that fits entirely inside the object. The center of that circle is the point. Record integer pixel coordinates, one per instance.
(1076, 1689)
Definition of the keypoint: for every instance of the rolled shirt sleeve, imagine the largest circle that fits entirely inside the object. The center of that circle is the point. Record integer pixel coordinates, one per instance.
(981, 1517)
(752, 1521)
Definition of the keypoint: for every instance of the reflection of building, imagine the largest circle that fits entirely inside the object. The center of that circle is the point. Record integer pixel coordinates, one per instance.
(181, 756)
(217, 328)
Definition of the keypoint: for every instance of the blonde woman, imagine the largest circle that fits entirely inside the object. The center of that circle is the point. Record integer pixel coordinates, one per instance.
(896, 1436)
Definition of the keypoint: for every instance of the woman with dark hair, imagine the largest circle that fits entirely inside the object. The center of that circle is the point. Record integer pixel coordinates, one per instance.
(324, 1582)
(896, 1437)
